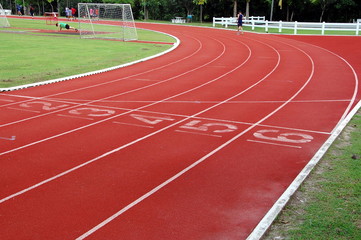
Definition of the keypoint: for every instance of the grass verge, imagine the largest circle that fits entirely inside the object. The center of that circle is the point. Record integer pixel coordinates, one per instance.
(328, 204)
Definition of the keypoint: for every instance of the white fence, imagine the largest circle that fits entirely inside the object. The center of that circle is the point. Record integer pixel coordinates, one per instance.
(5, 12)
(294, 26)
(233, 20)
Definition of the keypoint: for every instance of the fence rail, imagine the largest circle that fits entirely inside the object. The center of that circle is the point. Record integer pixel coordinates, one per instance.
(258, 22)
(5, 12)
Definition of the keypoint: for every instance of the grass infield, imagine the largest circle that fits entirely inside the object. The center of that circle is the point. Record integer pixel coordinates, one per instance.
(32, 51)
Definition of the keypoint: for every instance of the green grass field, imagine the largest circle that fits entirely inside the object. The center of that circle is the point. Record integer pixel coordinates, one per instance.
(29, 56)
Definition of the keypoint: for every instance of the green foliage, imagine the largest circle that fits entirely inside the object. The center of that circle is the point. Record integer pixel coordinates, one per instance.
(200, 2)
(131, 2)
(292, 10)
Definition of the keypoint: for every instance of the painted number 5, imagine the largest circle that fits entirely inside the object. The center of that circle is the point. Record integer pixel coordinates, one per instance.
(198, 126)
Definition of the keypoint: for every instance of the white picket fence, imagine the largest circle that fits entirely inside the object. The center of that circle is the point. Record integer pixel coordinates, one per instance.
(5, 12)
(294, 26)
(233, 20)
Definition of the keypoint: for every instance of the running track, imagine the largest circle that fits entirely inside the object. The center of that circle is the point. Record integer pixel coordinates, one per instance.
(196, 144)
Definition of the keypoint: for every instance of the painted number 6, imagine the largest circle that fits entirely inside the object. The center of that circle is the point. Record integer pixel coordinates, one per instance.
(274, 135)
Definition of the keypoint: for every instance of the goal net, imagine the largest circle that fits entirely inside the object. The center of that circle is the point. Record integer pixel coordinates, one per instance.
(100, 20)
(3, 19)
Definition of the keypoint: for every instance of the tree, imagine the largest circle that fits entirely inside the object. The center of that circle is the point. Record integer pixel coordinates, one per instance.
(348, 8)
(200, 3)
(323, 4)
(50, 2)
(235, 8)
(247, 9)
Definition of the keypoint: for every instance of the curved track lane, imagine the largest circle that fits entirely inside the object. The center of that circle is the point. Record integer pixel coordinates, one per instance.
(196, 144)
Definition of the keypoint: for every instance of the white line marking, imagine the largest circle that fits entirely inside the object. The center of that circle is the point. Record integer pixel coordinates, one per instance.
(12, 138)
(23, 109)
(72, 116)
(198, 133)
(203, 118)
(277, 144)
(7, 100)
(132, 124)
(146, 80)
(75, 101)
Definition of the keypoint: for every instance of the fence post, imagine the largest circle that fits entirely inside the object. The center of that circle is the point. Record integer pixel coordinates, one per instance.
(358, 26)
(280, 26)
(214, 21)
(252, 21)
(295, 30)
(323, 28)
(266, 28)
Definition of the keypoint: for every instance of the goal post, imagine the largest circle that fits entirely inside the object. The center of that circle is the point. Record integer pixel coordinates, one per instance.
(109, 21)
(3, 19)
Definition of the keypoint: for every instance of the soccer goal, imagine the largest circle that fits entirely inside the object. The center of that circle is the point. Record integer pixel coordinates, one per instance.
(3, 19)
(96, 20)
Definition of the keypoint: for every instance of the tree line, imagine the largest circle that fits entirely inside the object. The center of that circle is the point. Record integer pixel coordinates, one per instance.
(205, 10)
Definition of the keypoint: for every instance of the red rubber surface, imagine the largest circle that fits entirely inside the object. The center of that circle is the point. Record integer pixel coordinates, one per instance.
(196, 144)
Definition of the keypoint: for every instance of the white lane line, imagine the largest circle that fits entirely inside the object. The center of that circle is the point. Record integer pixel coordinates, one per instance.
(23, 109)
(72, 116)
(75, 101)
(198, 133)
(277, 144)
(202, 118)
(12, 138)
(132, 124)
(6, 100)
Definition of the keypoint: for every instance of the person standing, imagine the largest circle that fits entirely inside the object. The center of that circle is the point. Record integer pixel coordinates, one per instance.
(73, 12)
(32, 10)
(240, 22)
(18, 9)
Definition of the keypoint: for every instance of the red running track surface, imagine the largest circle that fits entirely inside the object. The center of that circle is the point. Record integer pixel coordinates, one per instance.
(196, 144)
